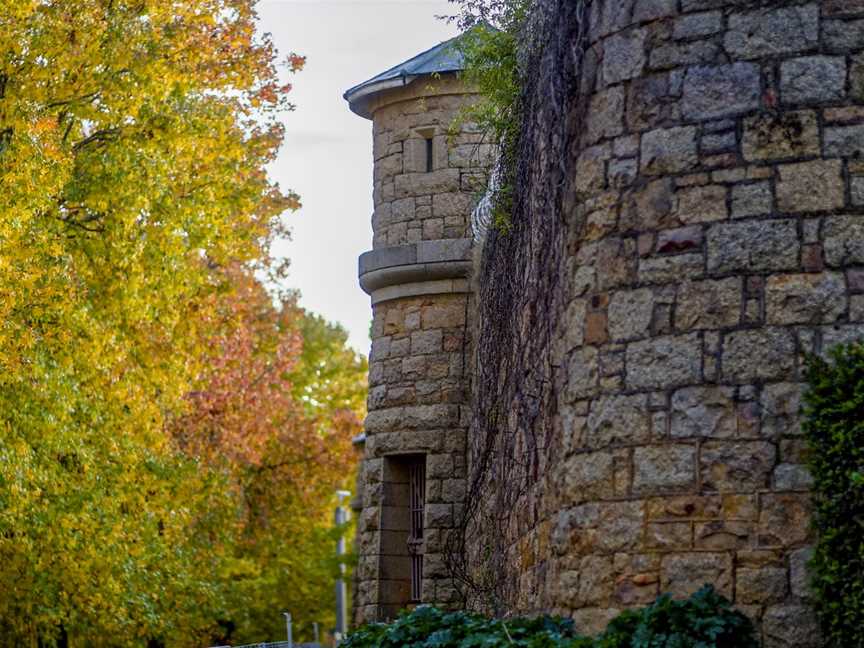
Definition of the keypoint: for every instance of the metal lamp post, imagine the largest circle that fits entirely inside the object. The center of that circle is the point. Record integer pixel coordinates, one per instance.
(287, 616)
(341, 594)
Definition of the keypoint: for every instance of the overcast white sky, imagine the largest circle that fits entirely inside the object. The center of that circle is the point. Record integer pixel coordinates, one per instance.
(327, 155)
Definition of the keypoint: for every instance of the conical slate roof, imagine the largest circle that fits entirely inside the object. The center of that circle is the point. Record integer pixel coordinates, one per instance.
(444, 57)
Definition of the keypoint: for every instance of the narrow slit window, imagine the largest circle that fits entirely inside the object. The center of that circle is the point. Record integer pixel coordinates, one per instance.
(430, 154)
(417, 503)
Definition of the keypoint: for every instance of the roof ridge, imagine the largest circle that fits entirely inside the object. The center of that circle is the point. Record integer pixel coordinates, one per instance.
(443, 57)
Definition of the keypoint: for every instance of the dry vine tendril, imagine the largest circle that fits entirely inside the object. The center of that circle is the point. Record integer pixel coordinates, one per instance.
(514, 394)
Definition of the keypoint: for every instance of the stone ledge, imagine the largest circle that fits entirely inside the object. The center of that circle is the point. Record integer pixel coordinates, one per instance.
(423, 268)
(420, 288)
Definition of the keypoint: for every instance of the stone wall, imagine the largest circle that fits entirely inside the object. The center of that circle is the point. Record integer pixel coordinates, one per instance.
(416, 406)
(412, 204)
(714, 237)
(418, 382)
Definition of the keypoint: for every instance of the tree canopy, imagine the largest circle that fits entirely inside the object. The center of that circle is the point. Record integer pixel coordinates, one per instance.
(157, 410)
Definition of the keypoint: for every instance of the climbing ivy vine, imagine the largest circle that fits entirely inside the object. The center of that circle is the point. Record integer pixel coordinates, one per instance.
(834, 426)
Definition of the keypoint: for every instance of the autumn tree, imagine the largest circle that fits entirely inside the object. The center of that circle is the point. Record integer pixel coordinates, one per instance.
(276, 409)
(134, 135)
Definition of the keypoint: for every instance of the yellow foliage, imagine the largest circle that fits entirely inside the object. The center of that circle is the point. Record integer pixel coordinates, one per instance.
(133, 140)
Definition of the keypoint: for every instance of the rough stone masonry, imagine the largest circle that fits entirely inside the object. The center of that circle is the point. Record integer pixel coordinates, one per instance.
(714, 237)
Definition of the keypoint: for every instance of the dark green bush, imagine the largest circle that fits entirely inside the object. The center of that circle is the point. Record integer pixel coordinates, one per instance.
(705, 620)
(834, 425)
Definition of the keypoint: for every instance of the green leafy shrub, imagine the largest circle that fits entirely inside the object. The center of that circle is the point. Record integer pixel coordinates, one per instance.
(705, 620)
(490, 48)
(834, 425)
(490, 67)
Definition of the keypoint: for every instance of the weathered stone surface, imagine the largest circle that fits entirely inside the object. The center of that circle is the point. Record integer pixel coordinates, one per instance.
(470, 155)
(704, 412)
(719, 142)
(674, 536)
(611, 526)
(587, 475)
(698, 24)
(686, 573)
(591, 169)
(760, 354)
(855, 280)
(584, 374)
(452, 204)
(611, 17)
(439, 515)
(723, 535)
(596, 327)
(574, 324)
(671, 55)
(773, 31)
(845, 141)
(669, 150)
(781, 404)
(630, 313)
(811, 186)
(792, 477)
(647, 97)
(681, 239)
(617, 419)
(784, 520)
(843, 35)
(702, 204)
(665, 468)
(671, 268)
(664, 362)
(813, 79)
(835, 335)
(843, 240)
(446, 313)
(414, 184)
(653, 9)
(595, 581)
(791, 625)
(593, 619)
(799, 576)
(624, 56)
(616, 262)
(856, 77)
(424, 342)
(805, 298)
(774, 136)
(622, 173)
(734, 466)
(752, 246)
(649, 207)
(760, 586)
(752, 199)
(605, 114)
(711, 92)
(709, 304)
(857, 191)
(842, 7)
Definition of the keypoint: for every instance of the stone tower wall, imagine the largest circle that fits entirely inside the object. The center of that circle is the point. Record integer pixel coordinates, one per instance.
(418, 383)
(412, 204)
(714, 236)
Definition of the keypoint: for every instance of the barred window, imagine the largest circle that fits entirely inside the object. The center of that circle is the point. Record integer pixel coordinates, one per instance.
(417, 499)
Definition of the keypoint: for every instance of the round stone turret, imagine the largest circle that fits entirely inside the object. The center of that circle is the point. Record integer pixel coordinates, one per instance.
(412, 477)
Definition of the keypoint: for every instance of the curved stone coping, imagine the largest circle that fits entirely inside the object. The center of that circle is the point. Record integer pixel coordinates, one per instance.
(420, 288)
(423, 268)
